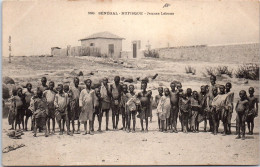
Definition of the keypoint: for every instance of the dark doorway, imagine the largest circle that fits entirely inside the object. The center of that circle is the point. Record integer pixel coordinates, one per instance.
(111, 49)
(134, 50)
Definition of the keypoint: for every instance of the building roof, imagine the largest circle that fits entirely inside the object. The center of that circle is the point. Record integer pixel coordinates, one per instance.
(104, 35)
(55, 48)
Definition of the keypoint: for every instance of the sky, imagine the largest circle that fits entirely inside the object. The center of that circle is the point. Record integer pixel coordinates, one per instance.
(36, 26)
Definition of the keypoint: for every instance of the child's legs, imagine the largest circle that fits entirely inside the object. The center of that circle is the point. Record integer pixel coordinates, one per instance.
(134, 118)
(123, 116)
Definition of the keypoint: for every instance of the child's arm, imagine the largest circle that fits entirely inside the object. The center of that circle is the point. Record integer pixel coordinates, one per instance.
(237, 104)
(56, 102)
(256, 107)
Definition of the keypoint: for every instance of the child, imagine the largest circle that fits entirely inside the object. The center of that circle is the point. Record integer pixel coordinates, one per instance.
(219, 110)
(204, 113)
(12, 109)
(144, 97)
(195, 108)
(115, 90)
(106, 100)
(74, 93)
(210, 108)
(253, 110)
(157, 99)
(174, 96)
(20, 108)
(61, 105)
(97, 109)
(28, 113)
(189, 96)
(66, 89)
(44, 86)
(86, 102)
(49, 95)
(242, 111)
(39, 108)
(185, 109)
(131, 108)
(164, 109)
(230, 106)
(122, 105)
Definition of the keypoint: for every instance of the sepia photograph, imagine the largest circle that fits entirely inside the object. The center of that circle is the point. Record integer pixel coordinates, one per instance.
(144, 82)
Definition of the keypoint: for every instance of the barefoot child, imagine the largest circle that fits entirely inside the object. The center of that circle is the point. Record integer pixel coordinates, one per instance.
(123, 106)
(189, 96)
(106, 100)
(97, 109)
(12, 109)
(164, 109)
(230, 106)
(242, 111)
(28, 96)
(210, 108)
(131, 108)
(86, 102)
(66, 89)
(195, 108)
(115, 90)
(74, 104)
(157, 99)
(203, 102)
(174, 95)
(185, 109)
(61, 106)
(144, 97)
(20, 108)
(39, 108)
(253, 110)
(49, 95)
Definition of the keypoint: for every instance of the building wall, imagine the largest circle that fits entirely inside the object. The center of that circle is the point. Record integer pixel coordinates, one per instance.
(103, 45)
(242, 52)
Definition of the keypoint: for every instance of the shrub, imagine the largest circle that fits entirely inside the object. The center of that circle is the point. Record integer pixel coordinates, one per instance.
(218, 71)
(248, 71)
(190, 70)
(151, 53)
(223, 70)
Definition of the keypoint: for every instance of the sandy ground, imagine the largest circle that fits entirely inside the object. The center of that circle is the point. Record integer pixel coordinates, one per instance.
(120, 148)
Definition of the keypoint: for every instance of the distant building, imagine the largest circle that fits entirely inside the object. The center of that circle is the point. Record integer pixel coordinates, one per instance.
(55, 51)
(108, 43)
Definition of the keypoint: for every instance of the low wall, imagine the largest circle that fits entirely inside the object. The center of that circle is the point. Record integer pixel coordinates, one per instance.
(242, 52)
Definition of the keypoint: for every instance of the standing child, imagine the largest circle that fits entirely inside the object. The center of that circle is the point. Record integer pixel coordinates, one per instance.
(66, 90)
(144, 97)
(86, 102)
(185, 109)
(174, 95)
(12, 109)
(253, 110)
(49, 95)
(61, 105)
(210, 109)
(106, 101)
(157, 99)
(74, 104)
(164, 109)
(28, 96)
(189, 96)
(123, 105)
(242, 111)
(20, 108)
(97, 109)
(204, 113)
(115, 90)
(39, 108)
(230, 106)
(131, 108)
(195, 108)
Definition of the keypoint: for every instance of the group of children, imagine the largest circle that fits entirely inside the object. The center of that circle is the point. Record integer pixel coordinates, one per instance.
(68, 104)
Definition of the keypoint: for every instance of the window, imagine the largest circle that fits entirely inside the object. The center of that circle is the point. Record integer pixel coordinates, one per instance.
(92, 44)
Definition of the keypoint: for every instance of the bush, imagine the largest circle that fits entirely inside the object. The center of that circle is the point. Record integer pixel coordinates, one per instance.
(248, 71)
(218, 71)
(224, 70)
(151, 53)
(190, 70)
